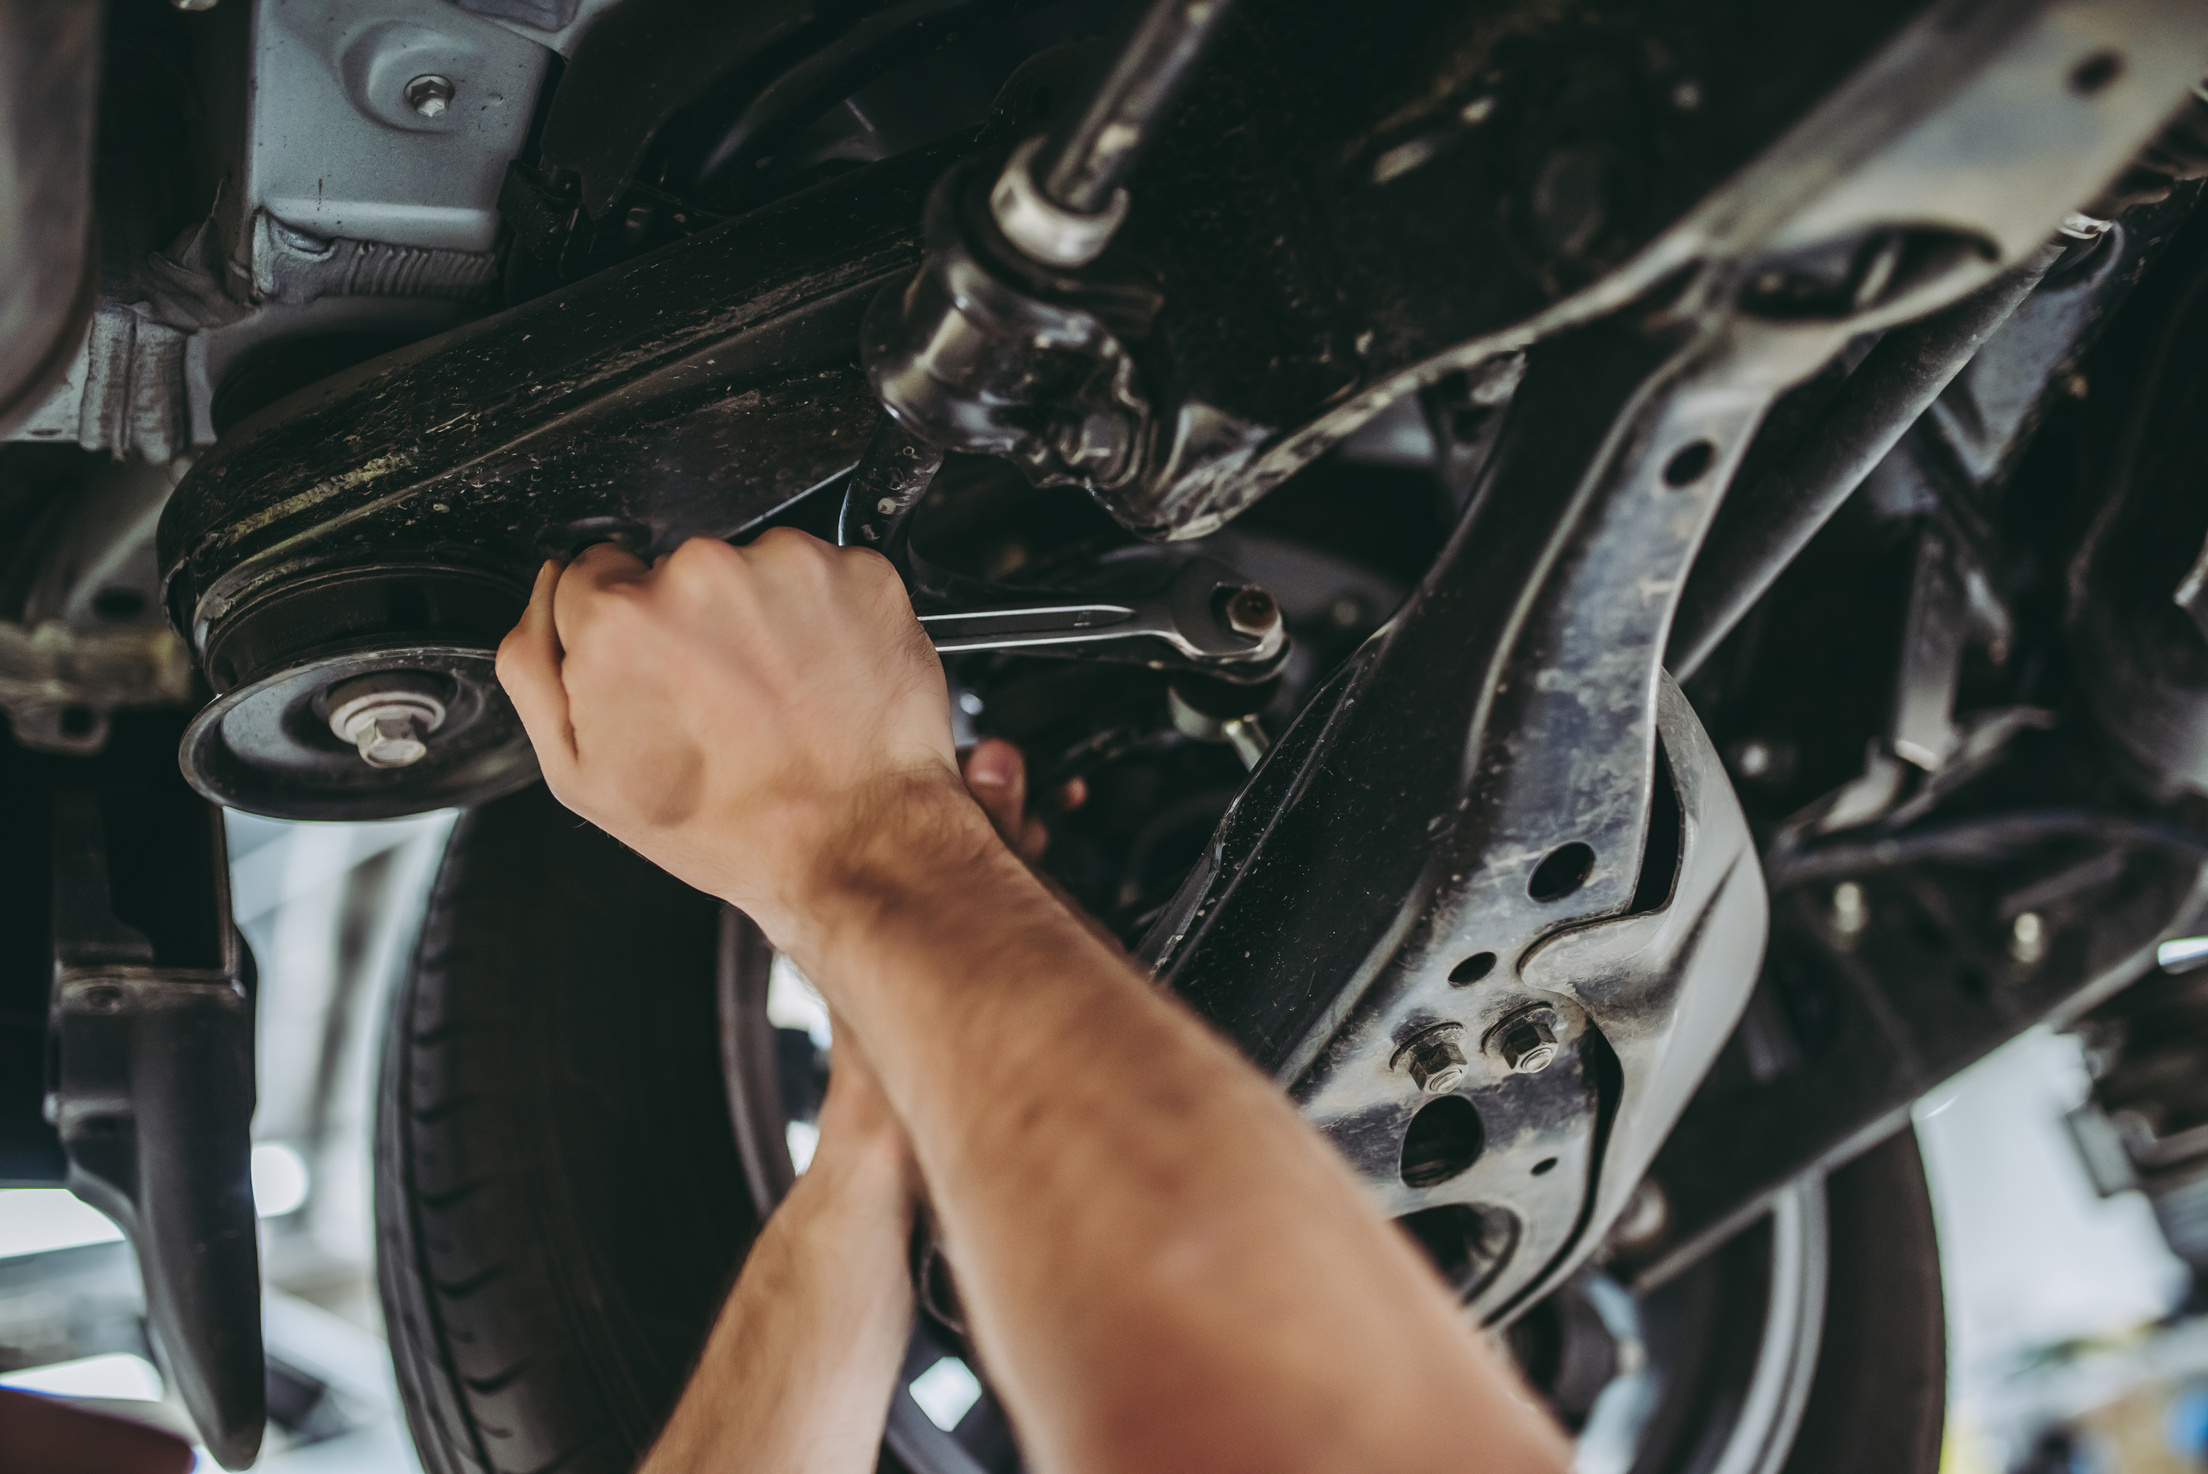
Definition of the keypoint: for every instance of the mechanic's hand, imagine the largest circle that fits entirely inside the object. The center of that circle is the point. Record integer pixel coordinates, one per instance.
(996, 775)
(757, 721)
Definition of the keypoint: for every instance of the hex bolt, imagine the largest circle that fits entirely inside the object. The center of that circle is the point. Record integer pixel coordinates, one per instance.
(387, 717)
(2028, 938)
(429, 94)
(1527, 1043)
(1252, 612)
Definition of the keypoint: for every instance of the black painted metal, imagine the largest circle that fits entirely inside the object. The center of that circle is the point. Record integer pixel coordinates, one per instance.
(695, 389)
(151, 1030)
(1083, 169)
(2138, 612)
(638, 67)
(1843, 1037)
(1298, 258)
(1849, 1027)
(1347, 831)
(1766, 524)
(988, 353)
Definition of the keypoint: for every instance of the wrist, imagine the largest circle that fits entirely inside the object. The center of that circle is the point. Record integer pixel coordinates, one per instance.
(910, 839)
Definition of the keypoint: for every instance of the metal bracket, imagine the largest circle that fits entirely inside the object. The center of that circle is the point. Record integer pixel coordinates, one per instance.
(1464, 827)
(151, 1086)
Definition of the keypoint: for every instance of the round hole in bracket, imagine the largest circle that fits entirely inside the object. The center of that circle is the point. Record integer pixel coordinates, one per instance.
(1565, 870)
(1542, 1167)
(1445, 1137)
(2096, 72)
(1689, 464)
(1472, 969)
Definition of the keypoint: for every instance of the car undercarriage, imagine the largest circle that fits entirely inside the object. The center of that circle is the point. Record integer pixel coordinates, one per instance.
(1611, 592)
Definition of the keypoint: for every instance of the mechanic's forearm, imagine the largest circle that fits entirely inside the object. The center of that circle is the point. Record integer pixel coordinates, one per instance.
(798, 1373)
(1165, 1268)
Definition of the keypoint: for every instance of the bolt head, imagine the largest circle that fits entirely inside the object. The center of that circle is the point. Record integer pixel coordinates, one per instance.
(391, 742)
(1252, 612)
(1437, 1065)
(387, 717)
(429, 94)
(1527, 1044)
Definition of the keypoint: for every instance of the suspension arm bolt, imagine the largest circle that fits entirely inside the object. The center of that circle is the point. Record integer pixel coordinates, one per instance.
(1433, 1060)
(1252, 612)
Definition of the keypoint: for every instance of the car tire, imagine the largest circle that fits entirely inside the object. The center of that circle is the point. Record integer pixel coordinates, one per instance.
(559, 1204)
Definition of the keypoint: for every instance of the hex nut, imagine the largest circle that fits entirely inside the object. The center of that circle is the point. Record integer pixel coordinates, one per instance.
(1527, 1043)
(1433, 1059)
(1437, 1066)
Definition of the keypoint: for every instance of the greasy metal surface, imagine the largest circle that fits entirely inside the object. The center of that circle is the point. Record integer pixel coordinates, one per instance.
(1511, 712)
(610, 401)
(1553, 602)
(1871, 997)
(1850, 1036)
(689, 393)
(1765, 527)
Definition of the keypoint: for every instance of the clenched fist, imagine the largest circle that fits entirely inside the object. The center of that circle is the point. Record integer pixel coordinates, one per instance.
(760, 721)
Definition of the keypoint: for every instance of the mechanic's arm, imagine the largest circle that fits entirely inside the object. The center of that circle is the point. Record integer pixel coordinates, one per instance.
(800, 1367)
(1165, 1268)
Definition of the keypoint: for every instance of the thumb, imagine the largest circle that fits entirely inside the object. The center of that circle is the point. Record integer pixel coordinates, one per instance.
(996, 775)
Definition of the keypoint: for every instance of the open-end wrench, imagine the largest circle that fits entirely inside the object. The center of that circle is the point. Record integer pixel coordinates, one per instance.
(1207, 616)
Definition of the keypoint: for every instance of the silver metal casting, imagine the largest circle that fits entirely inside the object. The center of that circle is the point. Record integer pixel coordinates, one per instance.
(1046, 230)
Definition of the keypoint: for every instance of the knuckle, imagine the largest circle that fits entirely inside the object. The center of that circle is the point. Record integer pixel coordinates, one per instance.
(701, 555)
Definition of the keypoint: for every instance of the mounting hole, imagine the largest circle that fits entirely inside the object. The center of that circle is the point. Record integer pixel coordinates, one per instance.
(1564, 871)
(1689, 464)
(1472, 969)
(2096, 72)
(1542, 1167)
(1466, 1244)
(1444, 1139)
(79, 722)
